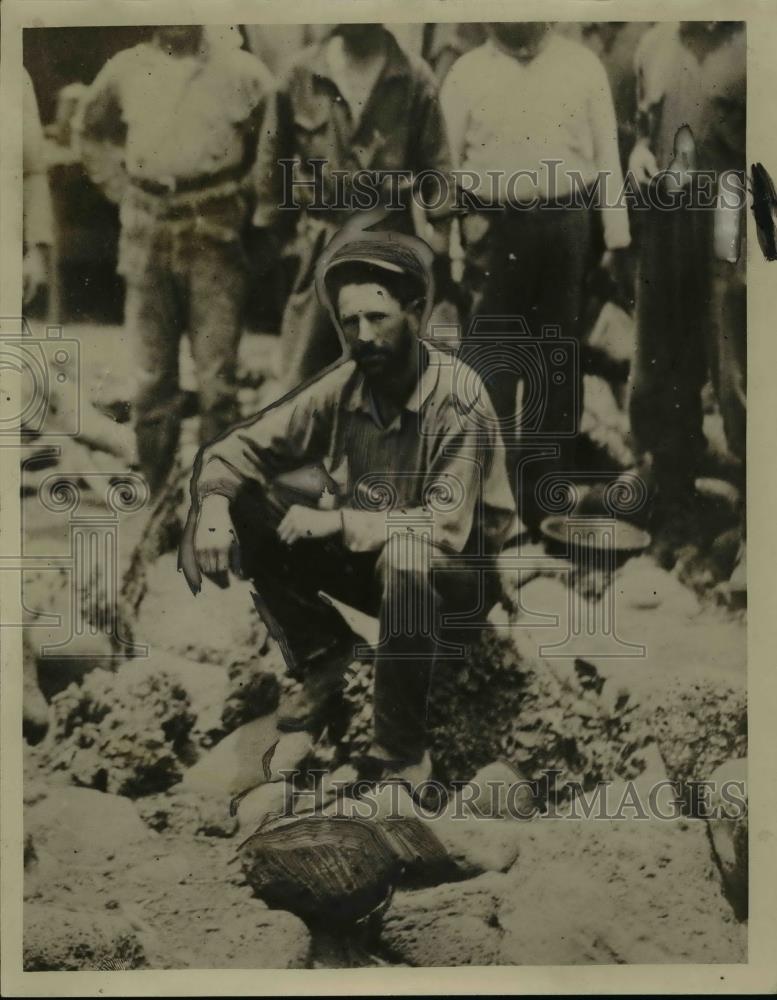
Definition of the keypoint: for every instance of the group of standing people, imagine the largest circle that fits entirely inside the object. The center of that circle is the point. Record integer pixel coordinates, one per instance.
(199, 143)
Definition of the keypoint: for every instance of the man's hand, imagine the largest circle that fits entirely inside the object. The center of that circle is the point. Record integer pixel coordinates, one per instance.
(215, 536)
(306, 522)
(34, 273)
(642, 163)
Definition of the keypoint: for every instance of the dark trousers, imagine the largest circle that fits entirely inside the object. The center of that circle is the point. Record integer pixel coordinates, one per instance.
(430, 606)
(524, 277)
(691, 326)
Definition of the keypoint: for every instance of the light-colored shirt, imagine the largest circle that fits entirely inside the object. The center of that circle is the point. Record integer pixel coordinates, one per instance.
(440, 462)
(183, 116)
(355, 79)
(700, 85)
(506, 116)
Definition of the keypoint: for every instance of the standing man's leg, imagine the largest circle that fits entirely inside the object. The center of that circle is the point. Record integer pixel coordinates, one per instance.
(670, 365)
(566, 235)
(729, 353)
(502, 266)
(153, 316)
(217, 291)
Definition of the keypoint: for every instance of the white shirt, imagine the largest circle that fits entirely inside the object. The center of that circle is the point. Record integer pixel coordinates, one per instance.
(507, 116)
(185, 115)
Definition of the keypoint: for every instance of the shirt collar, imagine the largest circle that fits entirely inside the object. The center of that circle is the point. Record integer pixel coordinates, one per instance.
(360, 398)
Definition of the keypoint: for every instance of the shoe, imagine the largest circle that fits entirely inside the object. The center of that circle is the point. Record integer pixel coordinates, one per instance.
(328, 713)
(322, 703)
(376, 766)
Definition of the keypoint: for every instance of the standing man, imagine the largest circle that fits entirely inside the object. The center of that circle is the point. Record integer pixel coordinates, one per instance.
(691, 295)
(530, 116)
(412, 483)
(170, 130)
(352, 103)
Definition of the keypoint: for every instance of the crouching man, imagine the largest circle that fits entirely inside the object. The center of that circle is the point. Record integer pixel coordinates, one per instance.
(399, 447)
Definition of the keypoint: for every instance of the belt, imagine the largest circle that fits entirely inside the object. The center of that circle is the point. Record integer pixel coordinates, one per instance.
(183, 185)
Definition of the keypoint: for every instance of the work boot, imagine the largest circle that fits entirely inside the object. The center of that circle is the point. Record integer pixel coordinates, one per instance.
(322, 704)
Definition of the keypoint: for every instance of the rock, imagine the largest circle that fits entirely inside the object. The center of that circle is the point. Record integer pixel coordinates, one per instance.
(390, 800)
(57, 939)
(498, 791)
(450, 924)
(262, 802)
(79, 826)
(235, 763)
(290, 750)
(641, 583)
(581, 892)
(478, 845)
(334, 784)
(729, 831)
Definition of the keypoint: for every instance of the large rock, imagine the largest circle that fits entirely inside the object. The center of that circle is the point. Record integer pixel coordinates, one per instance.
(248, 756)
(79, 826)
(57, 939)
(478, 845)
(729, 829)
(581, 892)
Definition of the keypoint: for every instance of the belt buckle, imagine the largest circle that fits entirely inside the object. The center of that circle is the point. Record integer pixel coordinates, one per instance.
(169, 182)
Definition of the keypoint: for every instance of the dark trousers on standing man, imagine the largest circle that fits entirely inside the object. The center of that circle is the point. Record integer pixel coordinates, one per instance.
(691, 326)
(524, 276)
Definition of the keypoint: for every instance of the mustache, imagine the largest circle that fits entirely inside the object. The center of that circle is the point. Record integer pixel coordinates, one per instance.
(366, 352)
